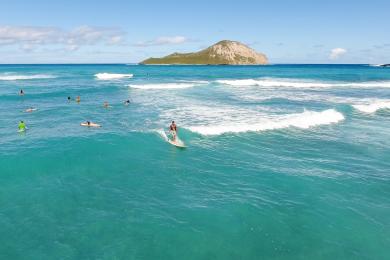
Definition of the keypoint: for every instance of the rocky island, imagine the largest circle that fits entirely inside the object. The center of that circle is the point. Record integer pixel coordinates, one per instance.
(222, 53)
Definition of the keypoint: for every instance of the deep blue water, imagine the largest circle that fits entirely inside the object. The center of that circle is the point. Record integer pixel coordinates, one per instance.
(282, 162)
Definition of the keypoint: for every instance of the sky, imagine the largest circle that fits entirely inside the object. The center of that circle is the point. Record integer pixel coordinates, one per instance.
(115, 31)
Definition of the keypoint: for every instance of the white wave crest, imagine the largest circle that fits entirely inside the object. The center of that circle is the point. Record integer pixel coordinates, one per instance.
(373, 107)
(110, 76)
(162, 133)
(164, 86)
(302, 84)
(303, 120)
(25, 77)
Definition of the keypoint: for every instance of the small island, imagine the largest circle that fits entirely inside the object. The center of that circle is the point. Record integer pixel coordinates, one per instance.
(222, 53)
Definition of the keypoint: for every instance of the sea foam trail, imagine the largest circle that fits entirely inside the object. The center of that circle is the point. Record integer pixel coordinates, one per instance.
(25, 77)
(162, 133)
(164, 86)
(110, 76)
(302, 84)
(303, 120)
(373, 107)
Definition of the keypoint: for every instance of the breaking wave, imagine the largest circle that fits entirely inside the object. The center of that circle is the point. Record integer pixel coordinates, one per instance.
(302, 83)
(373, 107)
(164, 86)
(303, 120)
(7, 76)
(110, 76)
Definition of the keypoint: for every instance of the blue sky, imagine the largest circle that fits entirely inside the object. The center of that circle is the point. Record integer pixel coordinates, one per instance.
(287, 31)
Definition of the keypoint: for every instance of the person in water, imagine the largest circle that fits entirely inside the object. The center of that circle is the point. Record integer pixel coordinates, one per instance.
(22, 126)
(30, 109)
(106, 105)
(173, 130)
(69, 99)
(127, 102)
(78, 99)
(21, 92)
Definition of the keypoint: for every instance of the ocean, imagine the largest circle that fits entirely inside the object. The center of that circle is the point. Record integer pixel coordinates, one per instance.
(282, 162)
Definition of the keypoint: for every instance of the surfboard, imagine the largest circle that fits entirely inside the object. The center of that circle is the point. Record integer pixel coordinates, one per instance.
(90, 125)
(177, 143)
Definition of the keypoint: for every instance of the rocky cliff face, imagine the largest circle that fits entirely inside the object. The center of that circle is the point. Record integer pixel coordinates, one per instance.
(221, 53)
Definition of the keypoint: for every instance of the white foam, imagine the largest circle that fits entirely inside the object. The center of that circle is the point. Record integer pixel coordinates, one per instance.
(111, 76)
(164, 86)
(303, 120)
(25, 77)
(162, 133)
(373, 107)
(302, 83)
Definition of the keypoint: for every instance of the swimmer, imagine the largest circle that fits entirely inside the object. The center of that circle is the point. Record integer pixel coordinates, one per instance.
(22, 126)
(30, 109)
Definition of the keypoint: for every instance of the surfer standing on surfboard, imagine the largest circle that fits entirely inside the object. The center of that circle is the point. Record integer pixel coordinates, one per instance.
(173, 130)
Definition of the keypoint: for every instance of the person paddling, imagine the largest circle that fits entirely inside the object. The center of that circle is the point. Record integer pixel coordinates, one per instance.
(30, 109)
(90, 124)
(173, 130)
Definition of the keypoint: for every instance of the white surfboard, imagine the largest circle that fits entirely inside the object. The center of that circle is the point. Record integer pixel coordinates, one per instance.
(178, 143)
(29, 110)
(90, 125)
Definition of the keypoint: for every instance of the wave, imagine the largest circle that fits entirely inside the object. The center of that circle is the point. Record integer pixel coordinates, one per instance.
(110, 76)
(162, 133)
(302, 83)
(164, 86)
(303, 120)
(25, 77)
(373, 107)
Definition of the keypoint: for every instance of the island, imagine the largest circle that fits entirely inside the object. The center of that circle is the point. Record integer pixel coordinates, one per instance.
(222, 53)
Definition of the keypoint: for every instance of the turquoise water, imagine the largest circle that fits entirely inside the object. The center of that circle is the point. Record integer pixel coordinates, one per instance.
(283, 162)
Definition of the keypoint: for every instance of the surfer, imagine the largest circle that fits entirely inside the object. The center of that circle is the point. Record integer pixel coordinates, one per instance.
(30, 109)
(90, 124)
(173, 130)
(21, 92)
(22, 126)
(127, 102)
